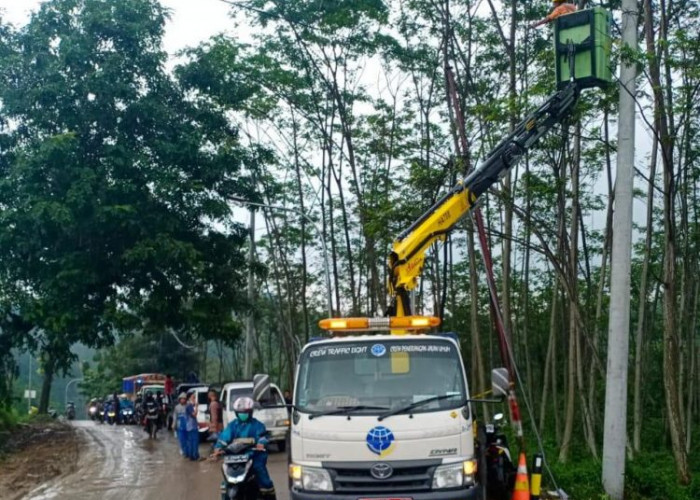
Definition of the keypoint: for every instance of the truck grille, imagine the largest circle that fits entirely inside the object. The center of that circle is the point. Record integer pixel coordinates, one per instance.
(407, 477)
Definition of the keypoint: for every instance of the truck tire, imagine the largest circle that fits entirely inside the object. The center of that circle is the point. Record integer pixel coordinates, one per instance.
(282, 446)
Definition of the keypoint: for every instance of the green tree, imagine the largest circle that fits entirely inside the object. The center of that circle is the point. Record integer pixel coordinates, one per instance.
(115, 187)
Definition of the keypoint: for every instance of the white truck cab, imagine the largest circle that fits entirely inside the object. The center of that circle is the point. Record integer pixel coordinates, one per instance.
(384, 416)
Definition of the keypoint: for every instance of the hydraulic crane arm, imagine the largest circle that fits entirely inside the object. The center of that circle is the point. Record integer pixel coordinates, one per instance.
(408, 250)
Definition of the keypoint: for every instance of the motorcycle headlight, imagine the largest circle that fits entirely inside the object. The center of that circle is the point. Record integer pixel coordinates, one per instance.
(282, 423)
(310, 478)
(454, 475)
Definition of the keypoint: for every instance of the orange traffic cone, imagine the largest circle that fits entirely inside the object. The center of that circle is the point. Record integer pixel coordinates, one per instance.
(522, 487)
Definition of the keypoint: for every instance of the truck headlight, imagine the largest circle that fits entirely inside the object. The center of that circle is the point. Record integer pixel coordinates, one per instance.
(282, 423)
(310, 478)
(454, 475)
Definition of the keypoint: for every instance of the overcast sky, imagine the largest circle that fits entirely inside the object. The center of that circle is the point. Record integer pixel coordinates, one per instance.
(192, 21)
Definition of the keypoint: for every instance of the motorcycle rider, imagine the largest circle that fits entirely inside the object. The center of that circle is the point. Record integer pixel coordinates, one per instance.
(149, 404)
(245, 426)
(70, 410)
(115, 407)
(162, 409)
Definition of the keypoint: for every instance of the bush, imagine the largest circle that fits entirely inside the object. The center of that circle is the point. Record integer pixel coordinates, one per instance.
(652, 476)
(8, 419)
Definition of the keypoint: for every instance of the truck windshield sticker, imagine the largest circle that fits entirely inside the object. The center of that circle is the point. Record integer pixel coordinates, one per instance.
(378, 350)
(421, 348)
(338, 351)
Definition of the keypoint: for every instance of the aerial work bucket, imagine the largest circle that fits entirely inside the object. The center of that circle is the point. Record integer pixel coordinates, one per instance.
(582, 43)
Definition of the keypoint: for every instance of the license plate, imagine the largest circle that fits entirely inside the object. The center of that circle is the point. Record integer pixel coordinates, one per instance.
(235, 459)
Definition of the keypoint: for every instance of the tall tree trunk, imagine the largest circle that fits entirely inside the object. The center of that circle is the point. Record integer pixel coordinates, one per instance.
(331, 231)
(300, 191)
(588, 427)
(671, 353)
(571, 378)
(477, 356)
(548, 373)
(507, 191)
(597, 327)
(641, 312)
(48, 367)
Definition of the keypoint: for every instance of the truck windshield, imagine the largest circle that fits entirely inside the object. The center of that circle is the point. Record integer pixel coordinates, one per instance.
(382, 375)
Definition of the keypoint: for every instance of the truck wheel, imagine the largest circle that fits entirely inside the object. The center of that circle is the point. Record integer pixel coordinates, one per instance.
(282, 446)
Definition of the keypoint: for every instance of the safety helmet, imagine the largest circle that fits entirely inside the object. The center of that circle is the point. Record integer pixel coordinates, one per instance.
(243, 406)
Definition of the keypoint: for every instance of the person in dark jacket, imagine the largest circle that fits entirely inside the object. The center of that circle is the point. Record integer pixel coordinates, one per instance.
(245, 426)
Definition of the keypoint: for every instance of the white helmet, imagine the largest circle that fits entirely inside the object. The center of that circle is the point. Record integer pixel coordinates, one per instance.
(244, 406)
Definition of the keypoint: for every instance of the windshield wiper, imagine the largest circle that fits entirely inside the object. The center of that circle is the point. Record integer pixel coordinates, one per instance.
(409, 407)
(345, 410)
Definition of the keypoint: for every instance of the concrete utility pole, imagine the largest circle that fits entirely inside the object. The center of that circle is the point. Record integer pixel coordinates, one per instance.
(615, 426)
(250, 320)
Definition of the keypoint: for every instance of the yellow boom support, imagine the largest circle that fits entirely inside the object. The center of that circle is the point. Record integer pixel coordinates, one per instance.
(408, 251)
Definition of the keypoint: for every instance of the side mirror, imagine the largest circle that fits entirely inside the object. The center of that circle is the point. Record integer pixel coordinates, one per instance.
(500, 382)
(261, 387)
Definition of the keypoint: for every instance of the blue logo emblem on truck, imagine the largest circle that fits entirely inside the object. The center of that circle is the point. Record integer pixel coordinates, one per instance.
(378, 350)
(380, 441)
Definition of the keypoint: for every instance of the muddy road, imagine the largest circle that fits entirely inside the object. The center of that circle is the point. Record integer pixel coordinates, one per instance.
(120, 462)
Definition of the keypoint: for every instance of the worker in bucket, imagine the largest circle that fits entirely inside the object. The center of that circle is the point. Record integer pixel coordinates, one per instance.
(561, 8)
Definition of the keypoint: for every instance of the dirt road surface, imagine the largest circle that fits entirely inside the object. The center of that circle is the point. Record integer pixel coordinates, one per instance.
(121, 463)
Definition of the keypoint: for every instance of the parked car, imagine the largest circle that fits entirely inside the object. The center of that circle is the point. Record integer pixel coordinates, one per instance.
(187, 387)
(152, 388)
(202, 410)
(270, 412)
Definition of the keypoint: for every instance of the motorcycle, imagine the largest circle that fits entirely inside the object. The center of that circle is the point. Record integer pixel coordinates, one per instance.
(101, 413)
(70, 411)
(239, 481)
(127, 416)
(111, 417)
(93, 411)
(151, 420)
(500, 471)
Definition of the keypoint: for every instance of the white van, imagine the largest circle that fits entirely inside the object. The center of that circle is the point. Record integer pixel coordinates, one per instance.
(276, 420)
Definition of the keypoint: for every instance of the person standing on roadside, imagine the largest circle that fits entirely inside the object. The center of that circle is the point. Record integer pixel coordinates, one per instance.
(192, 428)
(180, 420)
(169, 389)
(216, 416)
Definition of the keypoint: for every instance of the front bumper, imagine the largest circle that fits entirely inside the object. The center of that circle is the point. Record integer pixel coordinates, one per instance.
(278, 434)
(461, 494)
